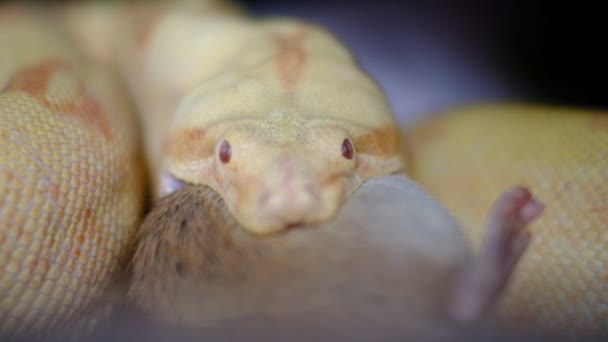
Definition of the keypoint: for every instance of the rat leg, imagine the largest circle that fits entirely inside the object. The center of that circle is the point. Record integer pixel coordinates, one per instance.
(506, 239)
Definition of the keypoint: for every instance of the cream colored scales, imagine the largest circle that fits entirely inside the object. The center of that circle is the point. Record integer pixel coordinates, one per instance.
(284, 97)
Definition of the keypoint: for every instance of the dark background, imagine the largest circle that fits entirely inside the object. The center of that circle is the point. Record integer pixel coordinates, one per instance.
(433, 55)
(436, 54)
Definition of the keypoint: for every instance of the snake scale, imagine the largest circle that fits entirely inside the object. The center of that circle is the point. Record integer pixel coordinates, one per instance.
(71, 173)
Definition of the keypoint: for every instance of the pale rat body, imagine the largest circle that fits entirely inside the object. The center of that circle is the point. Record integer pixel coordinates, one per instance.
(400, 266)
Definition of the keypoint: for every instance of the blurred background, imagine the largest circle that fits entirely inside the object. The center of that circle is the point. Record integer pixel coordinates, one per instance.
(436, 54)
(433, 55)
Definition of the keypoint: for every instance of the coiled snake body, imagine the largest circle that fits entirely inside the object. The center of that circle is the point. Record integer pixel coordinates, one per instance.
(466, 156)
(70, 176)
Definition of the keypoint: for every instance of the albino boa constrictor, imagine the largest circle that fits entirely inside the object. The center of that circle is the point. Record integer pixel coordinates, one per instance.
(228, 149)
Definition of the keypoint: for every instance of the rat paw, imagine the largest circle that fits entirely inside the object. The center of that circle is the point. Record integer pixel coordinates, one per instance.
(514, 209)
(505, 241)
(507, 236)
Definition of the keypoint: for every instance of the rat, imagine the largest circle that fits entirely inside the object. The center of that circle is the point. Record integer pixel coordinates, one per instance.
(394, 262)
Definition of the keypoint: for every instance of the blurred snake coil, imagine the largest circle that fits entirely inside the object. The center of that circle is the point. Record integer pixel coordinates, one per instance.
(466, 157)
(71, 189)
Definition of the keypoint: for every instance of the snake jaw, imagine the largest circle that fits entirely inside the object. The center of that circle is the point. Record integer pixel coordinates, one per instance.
(287, 195)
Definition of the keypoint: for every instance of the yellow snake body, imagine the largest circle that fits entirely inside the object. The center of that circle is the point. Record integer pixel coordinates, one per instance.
(466, 157)
(70, 179)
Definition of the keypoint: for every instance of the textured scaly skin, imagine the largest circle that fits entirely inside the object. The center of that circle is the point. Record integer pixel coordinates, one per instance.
(277, 90)
(70, 179)
(468, 156)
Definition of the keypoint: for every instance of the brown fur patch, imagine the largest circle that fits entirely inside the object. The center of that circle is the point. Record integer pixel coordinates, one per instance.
(190, 144)
(83, 106)
(385, 141)
(291, 58)
(188, 234)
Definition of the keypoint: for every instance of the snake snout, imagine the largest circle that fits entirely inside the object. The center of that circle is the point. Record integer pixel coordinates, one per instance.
(289, 195)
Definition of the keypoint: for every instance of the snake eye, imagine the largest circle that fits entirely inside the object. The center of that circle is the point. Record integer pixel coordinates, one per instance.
(225, 152)
(347, 149)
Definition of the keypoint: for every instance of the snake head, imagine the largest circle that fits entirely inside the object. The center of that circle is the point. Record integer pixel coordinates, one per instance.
(274, 174)
(282, 156)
